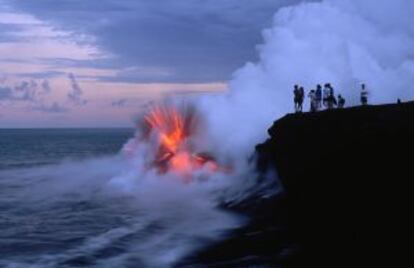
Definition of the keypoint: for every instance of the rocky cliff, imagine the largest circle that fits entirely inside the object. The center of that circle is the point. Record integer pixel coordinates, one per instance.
(347, 177)
(346, 200)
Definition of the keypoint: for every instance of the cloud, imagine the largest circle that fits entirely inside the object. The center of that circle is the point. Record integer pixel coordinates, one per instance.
(41, 75)
(33, 94)
(5, 93)
(46, 86)
(36, 95)
(55, 107)
(76, 93)
(10, 32)
(25, 91)
(98, 63)
(119, 103)
(185, 41)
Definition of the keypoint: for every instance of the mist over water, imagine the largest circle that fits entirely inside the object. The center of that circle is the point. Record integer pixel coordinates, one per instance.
(99, 212)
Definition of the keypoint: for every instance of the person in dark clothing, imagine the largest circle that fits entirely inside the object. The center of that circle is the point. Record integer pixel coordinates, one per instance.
(331, 91)
(313, 103)
(326, 92)
(364, 95)
(301, 98)
(296, 97)
(318, 96)
(331, 100)
(341, 102)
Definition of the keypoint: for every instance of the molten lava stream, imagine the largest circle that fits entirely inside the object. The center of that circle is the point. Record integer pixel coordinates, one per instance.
(173, 128)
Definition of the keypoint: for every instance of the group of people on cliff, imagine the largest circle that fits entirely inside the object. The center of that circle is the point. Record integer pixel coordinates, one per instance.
(325, 97)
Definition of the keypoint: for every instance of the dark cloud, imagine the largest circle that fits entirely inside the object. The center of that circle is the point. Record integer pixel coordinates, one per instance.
(75, 95)
(178, 41)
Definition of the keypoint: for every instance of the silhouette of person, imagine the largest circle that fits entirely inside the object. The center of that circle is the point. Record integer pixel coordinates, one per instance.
(331, 91)
(331, 100)
(364, 95)
(318, 96)
(326, 92)
(301, 98)
(296, 96)
(341, 102)
(313, 102)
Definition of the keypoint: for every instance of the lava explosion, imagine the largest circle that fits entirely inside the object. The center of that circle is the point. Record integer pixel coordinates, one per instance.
(171, 133)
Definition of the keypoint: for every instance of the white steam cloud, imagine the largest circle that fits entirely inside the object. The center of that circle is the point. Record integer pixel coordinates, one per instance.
(343, 42)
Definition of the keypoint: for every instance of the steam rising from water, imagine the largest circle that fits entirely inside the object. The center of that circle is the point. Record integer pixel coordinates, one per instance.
(97, 212)
(344, 42)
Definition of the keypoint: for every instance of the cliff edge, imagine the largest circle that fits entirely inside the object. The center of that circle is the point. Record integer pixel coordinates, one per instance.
(347, 177)
(346, 197)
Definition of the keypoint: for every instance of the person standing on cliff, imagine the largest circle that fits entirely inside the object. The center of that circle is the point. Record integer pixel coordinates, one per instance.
(331, 100)
(364, 95)
(341, 102)
(326, 92)
(318, 96)
(301, 98)
(296, 94)
(313, 103)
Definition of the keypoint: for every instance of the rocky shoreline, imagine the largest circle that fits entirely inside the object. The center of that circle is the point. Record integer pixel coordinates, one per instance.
(346, 200)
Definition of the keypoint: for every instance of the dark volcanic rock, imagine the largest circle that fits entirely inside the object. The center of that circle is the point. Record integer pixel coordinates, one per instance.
(347, 198)
(347, 176)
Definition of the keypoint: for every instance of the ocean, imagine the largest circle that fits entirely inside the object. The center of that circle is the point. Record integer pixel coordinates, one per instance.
(69, 198)
(34, 147)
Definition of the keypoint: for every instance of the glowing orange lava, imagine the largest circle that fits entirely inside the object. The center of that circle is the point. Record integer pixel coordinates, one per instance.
(170, 126)
(173, 128)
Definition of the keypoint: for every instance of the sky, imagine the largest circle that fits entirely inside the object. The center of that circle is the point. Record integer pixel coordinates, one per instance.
(97, 63)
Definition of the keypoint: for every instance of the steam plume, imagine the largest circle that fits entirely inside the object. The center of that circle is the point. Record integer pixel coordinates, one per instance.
(343, 42)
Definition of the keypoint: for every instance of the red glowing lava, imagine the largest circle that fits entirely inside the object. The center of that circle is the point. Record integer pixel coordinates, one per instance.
(173, 129)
